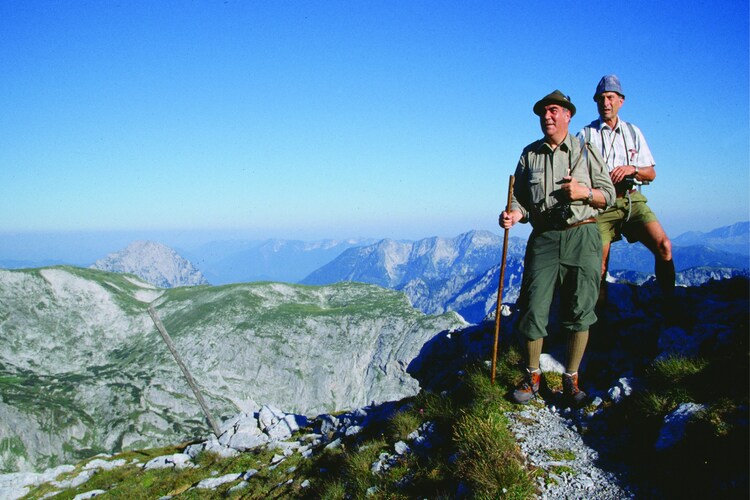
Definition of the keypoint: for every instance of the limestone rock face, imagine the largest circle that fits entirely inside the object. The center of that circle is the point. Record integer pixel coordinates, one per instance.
(436, 274)
(83, 367)
(153, 262)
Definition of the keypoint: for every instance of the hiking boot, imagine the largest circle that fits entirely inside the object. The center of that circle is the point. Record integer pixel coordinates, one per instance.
(572, 395)
(529, 387)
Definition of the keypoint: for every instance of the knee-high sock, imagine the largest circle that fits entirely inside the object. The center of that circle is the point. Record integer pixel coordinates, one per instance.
(576, 347)
(533, 353)
(665, 276)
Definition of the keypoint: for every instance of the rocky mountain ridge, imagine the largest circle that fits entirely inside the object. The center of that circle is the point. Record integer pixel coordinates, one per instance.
(577, 454)
(437, 274)
(106, 382)
(461, 274)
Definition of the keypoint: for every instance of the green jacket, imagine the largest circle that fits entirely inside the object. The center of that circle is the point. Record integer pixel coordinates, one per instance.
(540, 170)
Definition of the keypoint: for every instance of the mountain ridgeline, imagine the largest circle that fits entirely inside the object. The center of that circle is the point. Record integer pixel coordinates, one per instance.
(437, 274)
(238, 261)
(83, 369)
(461, 274)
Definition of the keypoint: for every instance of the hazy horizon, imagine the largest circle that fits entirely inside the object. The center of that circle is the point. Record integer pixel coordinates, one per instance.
(83, 248)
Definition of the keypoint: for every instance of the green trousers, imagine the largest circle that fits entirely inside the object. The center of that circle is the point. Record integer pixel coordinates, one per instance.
(570, 260)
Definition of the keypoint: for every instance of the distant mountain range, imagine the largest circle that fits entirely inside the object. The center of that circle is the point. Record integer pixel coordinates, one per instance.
(732, 239)
(224, 262)
(82, 368)
(436, 274)
(461, 274)
(636, 257)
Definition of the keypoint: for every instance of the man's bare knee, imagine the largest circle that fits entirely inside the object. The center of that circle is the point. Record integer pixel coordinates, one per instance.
(665, 248)
(656, 240)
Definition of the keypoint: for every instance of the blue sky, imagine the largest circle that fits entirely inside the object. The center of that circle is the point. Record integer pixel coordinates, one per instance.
(325, 119)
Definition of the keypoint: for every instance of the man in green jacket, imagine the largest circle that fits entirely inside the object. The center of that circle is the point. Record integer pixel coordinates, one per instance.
(560, 186)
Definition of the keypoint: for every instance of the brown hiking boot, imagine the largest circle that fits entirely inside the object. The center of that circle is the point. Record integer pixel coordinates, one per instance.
(572, 395)
(529, 387)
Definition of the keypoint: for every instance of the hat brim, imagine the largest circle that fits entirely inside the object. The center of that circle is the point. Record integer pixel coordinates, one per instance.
(539, 106)
(596, 96)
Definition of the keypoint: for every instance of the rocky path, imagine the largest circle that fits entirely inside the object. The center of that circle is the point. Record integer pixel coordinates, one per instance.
(550, 440)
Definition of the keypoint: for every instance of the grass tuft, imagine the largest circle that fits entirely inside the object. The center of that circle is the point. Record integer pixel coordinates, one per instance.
(553, 381)
(403, 423)
(489, 459)
(561, 454)
(675, 369)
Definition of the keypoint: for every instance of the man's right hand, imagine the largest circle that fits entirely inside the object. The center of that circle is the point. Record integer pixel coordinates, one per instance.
(507, 219)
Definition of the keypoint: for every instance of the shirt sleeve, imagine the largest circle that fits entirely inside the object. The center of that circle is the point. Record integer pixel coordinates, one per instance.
(645, 158)
(520, 189)
(600, 176)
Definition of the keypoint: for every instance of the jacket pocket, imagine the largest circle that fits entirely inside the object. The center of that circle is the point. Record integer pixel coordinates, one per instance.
(536, 186)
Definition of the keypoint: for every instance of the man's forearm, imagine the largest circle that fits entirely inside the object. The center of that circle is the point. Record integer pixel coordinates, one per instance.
(643, 174)
(646, 174)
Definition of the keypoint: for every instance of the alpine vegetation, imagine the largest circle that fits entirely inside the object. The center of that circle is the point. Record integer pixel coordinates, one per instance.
(660, 410)
(83, 369)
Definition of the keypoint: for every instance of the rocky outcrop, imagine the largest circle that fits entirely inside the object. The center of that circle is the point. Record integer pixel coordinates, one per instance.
(153, 262)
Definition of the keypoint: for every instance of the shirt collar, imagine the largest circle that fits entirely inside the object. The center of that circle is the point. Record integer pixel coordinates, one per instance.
(602, 125)
(565, 145)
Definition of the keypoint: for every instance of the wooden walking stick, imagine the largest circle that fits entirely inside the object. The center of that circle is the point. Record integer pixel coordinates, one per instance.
(500, 285)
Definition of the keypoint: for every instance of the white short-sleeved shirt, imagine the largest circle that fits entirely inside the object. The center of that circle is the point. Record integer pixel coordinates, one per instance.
(625, 145)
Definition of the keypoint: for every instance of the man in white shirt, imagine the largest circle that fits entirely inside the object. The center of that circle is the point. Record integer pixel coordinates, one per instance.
(628, 158)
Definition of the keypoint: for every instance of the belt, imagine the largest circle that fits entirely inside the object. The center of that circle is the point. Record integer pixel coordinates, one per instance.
(546, 227)
(625, 193)
(590, 220)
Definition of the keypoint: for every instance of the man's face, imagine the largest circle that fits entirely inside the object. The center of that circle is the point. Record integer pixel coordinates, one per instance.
(608, 104)
(555, 120)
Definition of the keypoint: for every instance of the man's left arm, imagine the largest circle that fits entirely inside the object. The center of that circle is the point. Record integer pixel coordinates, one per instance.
(641, 162)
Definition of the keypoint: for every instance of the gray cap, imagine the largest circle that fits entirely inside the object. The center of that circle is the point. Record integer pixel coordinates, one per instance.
(608, 83)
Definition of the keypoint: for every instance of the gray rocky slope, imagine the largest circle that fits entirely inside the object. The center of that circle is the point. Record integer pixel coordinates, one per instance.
(154, 263)
(82, 366)
(581, 457)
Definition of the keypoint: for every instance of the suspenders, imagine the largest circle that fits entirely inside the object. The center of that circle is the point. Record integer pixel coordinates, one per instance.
(587, 134)
(631, 130)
